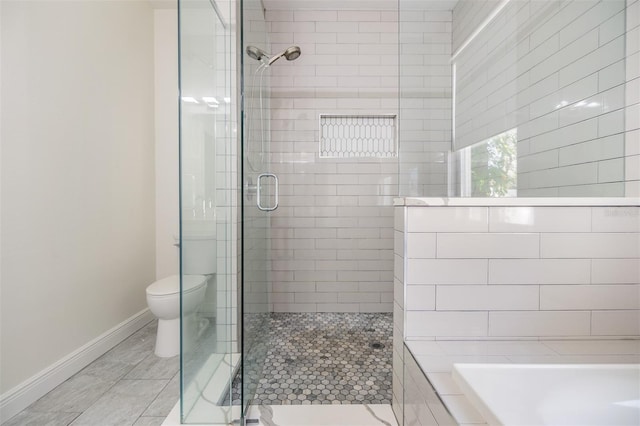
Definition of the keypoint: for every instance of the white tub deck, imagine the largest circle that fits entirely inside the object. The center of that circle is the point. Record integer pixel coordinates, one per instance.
(516, 201)
(437, 359)
(557, 394)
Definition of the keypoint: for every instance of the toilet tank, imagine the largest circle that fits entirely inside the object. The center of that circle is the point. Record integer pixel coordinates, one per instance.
(199, 249)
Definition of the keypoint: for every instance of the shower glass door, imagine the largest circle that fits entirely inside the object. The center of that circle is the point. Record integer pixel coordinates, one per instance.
(259, 198)
(208, 214)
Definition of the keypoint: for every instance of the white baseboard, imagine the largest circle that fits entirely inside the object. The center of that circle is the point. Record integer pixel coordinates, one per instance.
(29, 391)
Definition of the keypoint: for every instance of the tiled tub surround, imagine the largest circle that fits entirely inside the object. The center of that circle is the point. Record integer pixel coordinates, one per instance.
(432, 397)
(522, 271)
(514, 269)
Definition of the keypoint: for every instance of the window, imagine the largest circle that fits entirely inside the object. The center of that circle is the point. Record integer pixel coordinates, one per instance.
(489, 168)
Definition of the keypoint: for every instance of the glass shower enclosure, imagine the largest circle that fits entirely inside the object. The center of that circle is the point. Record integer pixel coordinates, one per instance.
(208, 212)
(226, 196)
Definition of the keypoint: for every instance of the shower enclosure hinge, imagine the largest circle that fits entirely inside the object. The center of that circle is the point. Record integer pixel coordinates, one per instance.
(249, 187)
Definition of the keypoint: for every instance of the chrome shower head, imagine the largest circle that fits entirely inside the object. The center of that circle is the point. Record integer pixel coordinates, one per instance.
(291, 54)
(256, 53)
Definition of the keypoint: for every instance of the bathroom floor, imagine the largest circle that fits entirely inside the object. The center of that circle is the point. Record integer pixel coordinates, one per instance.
(128, 385)
(325, 358)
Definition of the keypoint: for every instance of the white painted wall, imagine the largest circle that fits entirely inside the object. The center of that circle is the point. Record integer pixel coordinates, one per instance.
(77, 176)
(166, 139)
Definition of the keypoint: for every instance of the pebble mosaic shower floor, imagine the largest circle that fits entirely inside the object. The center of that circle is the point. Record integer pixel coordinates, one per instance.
(325, 358)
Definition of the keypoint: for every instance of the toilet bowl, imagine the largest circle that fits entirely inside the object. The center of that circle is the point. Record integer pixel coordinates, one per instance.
(199, 264)
(163, 298)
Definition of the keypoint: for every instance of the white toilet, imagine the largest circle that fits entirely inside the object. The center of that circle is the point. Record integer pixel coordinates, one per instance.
(163, 296)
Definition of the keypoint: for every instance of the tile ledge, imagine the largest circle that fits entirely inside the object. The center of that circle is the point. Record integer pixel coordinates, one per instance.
(516, 201)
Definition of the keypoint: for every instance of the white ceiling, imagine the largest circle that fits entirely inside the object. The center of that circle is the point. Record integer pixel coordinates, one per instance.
(358, 4)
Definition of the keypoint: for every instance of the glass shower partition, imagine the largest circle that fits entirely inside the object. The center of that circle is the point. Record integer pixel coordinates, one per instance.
(208, 213)
(259, 199)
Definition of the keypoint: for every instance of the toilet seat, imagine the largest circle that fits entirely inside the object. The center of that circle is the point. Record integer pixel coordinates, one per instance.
(171, 285)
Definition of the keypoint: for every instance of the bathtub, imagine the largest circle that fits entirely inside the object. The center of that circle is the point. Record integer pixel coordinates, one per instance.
(554, 394)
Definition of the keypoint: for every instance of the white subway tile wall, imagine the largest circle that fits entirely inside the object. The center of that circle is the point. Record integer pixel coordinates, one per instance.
(332, 237)
(556, 71)
(520, 274)
(254, 222)
(632, 100)
(399, 251)
(425, 99)
(468, 15)
(221, 297)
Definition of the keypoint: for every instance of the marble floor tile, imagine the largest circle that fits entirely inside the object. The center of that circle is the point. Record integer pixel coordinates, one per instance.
(32, 418)
(166, 399)
(130, 385)
(149, 421)
(122, 404)
(70, 399)
(136, 347)
(324, 358)
(154, 367)
(107, 369)
(73, 396)
(322, 415)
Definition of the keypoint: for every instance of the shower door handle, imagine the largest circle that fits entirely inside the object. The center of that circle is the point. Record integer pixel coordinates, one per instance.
(258, 195)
